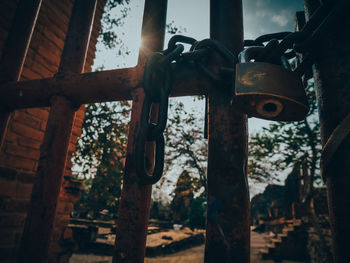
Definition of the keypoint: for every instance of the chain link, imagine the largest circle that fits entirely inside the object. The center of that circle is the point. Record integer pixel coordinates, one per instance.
(283, 46)
(279, 49)
(157, 86)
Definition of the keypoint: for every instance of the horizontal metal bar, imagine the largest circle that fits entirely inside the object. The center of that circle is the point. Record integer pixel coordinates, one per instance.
(102, 86)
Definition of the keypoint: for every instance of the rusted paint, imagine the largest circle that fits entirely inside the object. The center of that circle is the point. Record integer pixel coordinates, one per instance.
(258, 84)
(332, 82)
(134, 208)
(15, 50)
(228, 230)
(109, 85)
(53, 153)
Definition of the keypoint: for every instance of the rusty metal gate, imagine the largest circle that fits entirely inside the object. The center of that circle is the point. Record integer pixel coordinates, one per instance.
(227, 238)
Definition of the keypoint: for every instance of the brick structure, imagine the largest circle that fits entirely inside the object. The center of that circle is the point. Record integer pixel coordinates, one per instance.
(20, 154)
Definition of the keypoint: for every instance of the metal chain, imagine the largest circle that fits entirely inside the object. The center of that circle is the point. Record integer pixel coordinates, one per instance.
(157, 84)
(279, 49)
(302, 42)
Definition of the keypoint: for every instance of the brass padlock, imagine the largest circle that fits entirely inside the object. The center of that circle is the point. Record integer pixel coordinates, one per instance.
(269, 91)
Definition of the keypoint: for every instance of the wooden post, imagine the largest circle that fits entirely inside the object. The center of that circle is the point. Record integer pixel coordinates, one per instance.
(134, 207)
(332, 83)
(53, 153)
(15, 50)
(228, 226)
(92, 87)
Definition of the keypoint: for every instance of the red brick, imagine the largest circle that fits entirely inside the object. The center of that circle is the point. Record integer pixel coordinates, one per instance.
(7, 187)
(78, 122)
(74, 137)
(68, 233)
(8, 173)
(58, 13)
(34, 57)
(71, 148)
(14, 205)
(49, 51)
(62, 220)
(64, 207)
(12, 219)
(17, 162)
(10, 236)
(57, 233)
(11, 137)
(65, 196)
(26, 131)
(51, 22)
(81, 113)
(40, 69)
(22, 151)
(40, 113)
(27, 177)
(55, 249)
(23, 117)
(24, 190)
(30, 143)
(29, 74)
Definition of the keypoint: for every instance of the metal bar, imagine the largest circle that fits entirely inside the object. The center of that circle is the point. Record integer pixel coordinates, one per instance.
(332, 82)
(134, 207)
(15, 50)
(228, 230)
(110, 85)
(53, 154)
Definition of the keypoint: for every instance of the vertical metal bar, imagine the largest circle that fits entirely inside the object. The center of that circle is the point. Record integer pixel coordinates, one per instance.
(53, 153)
(15, 50)
(134, 208)
(332, 82)
(228, 230)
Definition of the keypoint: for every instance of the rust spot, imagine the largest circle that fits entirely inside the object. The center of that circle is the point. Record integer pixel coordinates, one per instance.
(250, 78)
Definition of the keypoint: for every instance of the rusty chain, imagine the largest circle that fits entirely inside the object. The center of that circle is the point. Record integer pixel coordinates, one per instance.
(157, 84)
(279, 49)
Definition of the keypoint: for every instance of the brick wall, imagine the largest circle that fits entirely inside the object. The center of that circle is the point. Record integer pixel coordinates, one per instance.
(20, 154)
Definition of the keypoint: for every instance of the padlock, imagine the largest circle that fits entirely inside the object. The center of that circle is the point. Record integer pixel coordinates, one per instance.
(269, 91)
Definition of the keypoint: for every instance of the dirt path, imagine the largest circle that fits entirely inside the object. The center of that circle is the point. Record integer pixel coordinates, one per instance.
(192, 255)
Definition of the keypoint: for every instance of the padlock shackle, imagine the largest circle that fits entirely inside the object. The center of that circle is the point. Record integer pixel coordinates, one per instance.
(250, 53)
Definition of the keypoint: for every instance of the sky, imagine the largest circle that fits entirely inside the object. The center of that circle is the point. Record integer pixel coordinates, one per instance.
(192, 16)
(259, 17)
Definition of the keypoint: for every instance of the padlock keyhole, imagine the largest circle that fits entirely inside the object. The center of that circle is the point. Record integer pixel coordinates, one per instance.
(270, 107)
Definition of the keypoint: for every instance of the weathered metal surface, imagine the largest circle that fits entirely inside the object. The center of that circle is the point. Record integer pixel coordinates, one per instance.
(15, 50)
(109, 85)
(332, 82)
(270, 92)
(134, 208)
(228, 231)
(53, 153)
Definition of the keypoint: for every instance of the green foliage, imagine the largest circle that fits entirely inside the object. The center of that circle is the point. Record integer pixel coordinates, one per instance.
(100, 153)
(283, 145)
(173, 29)
(196, 217)
(112, 19)
(186, 148)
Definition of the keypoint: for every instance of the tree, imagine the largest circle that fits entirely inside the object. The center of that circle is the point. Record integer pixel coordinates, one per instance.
(183, 197)
(101, 148)
(101, 151)
(284, 145)
(291, 145)
(186, 148)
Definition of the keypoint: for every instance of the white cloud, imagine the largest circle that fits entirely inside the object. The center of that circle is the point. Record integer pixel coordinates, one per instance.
(281, 19)
(262, 13)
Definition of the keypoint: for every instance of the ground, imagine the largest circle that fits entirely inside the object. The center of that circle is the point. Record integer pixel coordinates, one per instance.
(192, 255)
